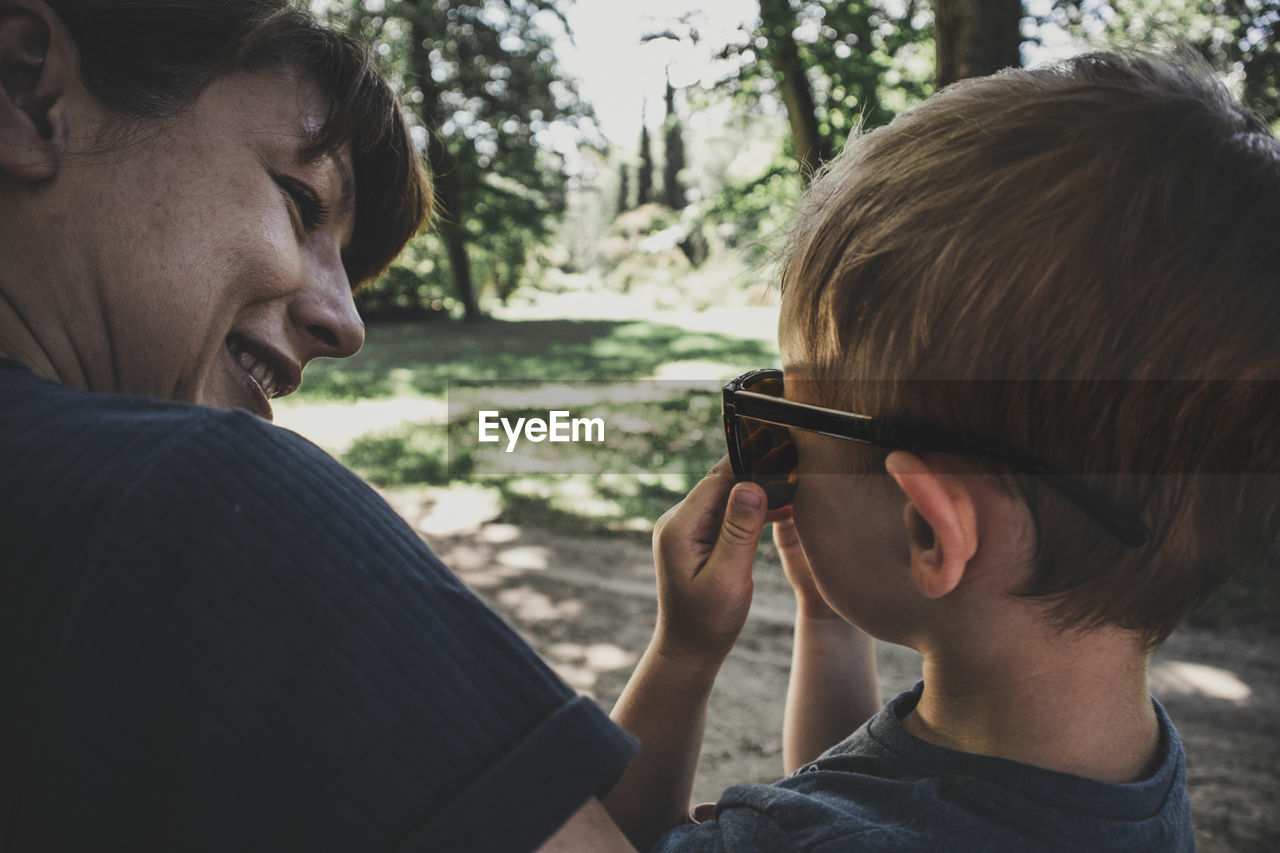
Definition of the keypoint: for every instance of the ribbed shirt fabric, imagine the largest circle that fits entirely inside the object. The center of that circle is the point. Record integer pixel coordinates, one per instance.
(214, 637)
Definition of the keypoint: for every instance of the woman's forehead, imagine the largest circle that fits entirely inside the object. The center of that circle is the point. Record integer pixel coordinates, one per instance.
(275, 102)
(282, 111)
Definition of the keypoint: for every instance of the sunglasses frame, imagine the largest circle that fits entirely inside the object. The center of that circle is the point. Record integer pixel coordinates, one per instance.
(740, 402)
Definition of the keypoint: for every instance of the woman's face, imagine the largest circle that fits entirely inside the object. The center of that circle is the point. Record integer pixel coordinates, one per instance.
(213, 249)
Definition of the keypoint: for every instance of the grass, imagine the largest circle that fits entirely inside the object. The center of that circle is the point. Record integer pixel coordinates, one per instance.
(423, 358)
(660, 437)
(653, 451)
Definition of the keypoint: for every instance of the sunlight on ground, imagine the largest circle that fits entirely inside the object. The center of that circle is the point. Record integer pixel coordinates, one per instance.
(758, 321)
(336, 425)
(1198, 679)
(525, 557)
(576, 492)
(700, 376)
(527, 604)
(581, 665)
(461, 509)
(499, 534)
(700, 370)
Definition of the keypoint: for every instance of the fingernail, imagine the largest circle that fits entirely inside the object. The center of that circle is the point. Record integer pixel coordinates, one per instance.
(748, 499)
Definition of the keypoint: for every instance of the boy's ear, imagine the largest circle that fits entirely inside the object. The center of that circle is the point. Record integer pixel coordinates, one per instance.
(37, 66)
(941, 524)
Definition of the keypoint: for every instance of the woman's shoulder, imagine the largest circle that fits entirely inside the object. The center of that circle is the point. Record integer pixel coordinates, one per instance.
(77, 456)
(43, 418)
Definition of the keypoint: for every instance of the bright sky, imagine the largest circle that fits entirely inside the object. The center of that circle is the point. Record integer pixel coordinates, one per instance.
(616, 73)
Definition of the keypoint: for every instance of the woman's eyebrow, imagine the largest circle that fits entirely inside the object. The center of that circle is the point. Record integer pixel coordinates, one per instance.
(312, 138)
(347, 195)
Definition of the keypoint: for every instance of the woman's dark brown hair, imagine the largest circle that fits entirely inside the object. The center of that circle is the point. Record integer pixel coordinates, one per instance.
(151, 58)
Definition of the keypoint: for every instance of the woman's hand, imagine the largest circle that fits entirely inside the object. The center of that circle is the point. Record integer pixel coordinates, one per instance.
(704, 549)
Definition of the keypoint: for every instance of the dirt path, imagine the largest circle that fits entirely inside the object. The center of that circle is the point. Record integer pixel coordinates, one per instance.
(587, 605)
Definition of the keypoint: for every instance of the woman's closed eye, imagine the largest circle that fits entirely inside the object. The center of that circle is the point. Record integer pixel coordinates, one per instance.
(305, 203)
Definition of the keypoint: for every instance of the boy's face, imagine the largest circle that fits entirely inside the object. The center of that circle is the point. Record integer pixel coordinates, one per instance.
(851, 524)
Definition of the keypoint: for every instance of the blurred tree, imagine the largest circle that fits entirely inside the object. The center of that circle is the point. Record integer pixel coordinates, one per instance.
(976, 37)
(828, 67)
(778, 24)
(673, 153)
(1238, 37)
(835, 65)
(624, 187)
(1253, 45)
(485, 84)
(644, 175)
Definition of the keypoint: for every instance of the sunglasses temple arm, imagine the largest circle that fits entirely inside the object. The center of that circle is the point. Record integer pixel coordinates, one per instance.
(1121, 523)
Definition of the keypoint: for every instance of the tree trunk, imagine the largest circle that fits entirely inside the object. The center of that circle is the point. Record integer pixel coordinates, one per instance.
(624, 188)
(673, 151)
(779, 21)
(975, 37)
(644, 175)
(455, 238)
(442, 165)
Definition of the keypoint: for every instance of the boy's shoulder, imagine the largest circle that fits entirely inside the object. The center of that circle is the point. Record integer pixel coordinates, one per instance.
(888, 790)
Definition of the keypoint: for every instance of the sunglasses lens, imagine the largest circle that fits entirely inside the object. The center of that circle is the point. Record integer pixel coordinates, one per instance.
(767, 452)
(769, 459)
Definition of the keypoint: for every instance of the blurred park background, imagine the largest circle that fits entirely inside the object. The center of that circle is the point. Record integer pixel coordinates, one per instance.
(612, 178)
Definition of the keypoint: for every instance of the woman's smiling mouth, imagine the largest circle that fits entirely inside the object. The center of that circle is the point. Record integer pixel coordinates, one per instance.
(271, 379)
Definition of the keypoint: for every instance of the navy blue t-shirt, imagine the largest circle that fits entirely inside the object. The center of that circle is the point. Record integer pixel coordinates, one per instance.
(884, 789)
(214, 637)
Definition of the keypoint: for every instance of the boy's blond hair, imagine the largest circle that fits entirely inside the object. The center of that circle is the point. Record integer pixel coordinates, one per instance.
(1082, 235)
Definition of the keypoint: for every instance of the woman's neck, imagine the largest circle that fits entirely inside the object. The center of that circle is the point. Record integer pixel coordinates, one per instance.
(54, 331)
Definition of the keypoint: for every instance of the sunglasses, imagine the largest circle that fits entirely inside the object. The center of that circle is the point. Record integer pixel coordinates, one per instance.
(758, 424)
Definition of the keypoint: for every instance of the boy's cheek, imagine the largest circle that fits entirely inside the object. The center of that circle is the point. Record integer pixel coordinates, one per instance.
(851, 530)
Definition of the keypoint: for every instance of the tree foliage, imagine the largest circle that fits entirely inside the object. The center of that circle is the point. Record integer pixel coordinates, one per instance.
(1238, 37)
(486, 86)
(830, 66)
(862, 61)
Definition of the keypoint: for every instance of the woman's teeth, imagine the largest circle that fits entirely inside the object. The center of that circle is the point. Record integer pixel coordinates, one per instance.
(261, 373)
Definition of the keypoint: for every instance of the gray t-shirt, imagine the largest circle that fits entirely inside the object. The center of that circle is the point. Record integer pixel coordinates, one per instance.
(884, 789)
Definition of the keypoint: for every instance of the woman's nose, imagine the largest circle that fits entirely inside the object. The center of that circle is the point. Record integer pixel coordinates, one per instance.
(324, 315)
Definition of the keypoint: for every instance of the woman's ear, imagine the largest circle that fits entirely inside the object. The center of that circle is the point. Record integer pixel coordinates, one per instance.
(941, 524)
(37, 65)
